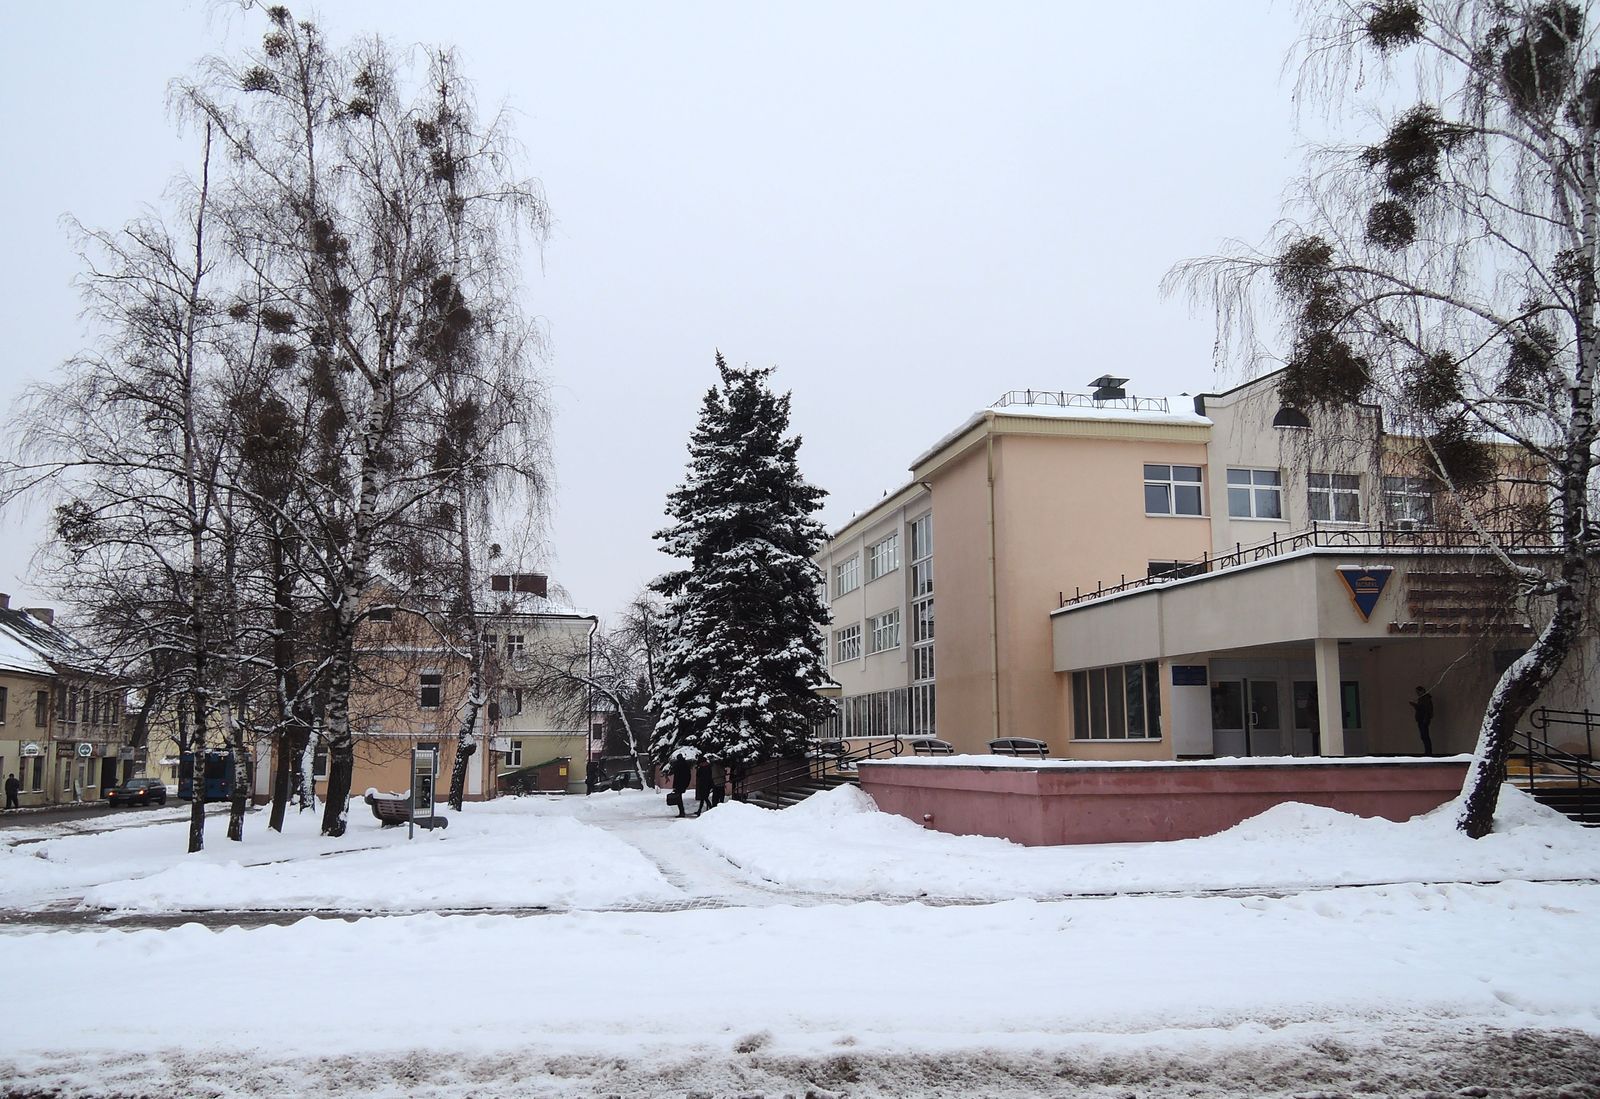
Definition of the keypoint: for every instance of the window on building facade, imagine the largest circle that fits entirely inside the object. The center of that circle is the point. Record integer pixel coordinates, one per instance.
(72, 704)
(1334, 497)
(883, 631)
(38, 773)
(846, 644)
(881, 713)
(1255, 494)
(883, 557)
(1408, 501)
(920, 541)
(319, 764)
(514, 645)
(1122, 702)
(381, 614)
(847, 575)
(922, 556)
(430, 688)
(41, 709)
(3, 701)
(1171, 490)
(514, 754)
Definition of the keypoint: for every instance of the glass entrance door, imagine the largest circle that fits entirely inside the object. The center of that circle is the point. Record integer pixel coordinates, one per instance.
(1245, 717)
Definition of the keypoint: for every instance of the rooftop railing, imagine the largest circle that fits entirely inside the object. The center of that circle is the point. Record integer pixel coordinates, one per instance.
(1381, 538)
(1060, 398)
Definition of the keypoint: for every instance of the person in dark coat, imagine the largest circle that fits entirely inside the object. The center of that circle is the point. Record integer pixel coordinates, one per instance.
(719, 782)
(702, 787)
(682, 769)
(13, 788)
(1422, 709)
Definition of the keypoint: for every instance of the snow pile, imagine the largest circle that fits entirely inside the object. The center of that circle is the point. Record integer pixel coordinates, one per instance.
(838, 844)
(1190, 972)
(507, 859)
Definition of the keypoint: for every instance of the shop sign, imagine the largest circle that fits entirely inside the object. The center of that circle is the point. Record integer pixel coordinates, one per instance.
(30, 750)
(85, 749)
(1365, 587)
(1188, 675)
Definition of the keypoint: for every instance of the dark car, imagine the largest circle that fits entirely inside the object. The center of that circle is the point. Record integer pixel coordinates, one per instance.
(138, 791)
(617, 773)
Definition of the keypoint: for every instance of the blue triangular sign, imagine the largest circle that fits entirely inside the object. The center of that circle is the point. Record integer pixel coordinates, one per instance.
(1365, 586)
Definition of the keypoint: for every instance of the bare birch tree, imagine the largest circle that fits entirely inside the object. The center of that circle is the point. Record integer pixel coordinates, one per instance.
(1445, 267)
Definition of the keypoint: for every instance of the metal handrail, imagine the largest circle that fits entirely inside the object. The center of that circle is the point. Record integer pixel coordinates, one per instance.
(1381, 537)
(815, 766)
(1060, 398)
(1536, 750)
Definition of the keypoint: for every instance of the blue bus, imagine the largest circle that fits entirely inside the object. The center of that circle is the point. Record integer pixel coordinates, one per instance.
(218, 773)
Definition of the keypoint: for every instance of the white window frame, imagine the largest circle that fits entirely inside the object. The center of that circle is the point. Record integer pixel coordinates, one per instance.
(883, 557)
(1324, 492)
(847, 644)
(1408, 501)
(515, 645)
(513, 753)
(1170, 484)
(883, 631)
(847, 575)
(1251, 490)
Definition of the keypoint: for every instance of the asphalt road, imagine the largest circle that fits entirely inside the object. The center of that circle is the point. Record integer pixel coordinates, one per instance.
(33, 818)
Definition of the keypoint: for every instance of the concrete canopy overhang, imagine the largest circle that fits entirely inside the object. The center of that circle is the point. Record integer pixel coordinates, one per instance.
(1298, 597)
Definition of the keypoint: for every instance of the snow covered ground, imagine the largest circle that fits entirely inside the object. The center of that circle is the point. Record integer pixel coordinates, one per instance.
(758, 953)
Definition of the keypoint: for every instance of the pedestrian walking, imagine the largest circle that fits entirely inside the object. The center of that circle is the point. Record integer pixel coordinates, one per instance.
(1422, 710)
(719, 782)
(682, 770)
(13, 788)
(702, 787)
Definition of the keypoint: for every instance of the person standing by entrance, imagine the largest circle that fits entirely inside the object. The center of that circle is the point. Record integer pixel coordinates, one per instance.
(1422, 709)
(13, 788)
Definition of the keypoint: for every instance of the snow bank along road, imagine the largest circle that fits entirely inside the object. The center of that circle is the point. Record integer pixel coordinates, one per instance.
(715, 983)
(1399, 987)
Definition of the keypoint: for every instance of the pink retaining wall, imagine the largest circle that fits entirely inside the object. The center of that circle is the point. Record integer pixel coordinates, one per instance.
(1057, 803)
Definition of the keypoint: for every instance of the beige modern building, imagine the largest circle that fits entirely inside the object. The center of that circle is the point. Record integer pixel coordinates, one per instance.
(1131, 578)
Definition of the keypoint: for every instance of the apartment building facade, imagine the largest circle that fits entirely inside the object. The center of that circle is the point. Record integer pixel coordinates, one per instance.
(415, 685)
(62, 731)
(1131, 578)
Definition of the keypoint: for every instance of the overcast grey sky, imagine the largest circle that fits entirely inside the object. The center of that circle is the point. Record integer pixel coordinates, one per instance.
(907, 208)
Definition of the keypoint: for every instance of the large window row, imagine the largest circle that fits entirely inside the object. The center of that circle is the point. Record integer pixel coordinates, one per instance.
(1258, 494)
(1122, 702)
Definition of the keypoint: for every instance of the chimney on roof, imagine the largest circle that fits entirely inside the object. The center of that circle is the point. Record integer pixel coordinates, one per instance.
(1107, 388)
(5, 601)
(47, 615)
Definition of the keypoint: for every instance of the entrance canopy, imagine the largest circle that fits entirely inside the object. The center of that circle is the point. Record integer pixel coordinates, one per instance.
(1287, 647)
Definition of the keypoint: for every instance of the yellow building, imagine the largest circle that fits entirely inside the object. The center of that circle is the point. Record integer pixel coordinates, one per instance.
(1129, 578)
(61, 727)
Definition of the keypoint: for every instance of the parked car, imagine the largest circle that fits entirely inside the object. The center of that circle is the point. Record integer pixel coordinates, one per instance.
(618, 773)
(137, 791)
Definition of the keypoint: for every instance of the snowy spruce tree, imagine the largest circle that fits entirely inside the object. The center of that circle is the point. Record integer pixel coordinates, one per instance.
(744, 647)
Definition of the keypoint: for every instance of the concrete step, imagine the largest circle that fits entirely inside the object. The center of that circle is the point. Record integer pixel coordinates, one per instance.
(796, 792)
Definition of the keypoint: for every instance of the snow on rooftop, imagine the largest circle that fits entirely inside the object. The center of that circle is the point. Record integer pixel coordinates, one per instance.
(1054, 405)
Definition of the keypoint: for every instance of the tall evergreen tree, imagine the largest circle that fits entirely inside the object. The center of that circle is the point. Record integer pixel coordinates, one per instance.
(744, 647)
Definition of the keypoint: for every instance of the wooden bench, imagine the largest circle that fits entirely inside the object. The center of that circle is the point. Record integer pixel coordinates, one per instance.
(1019, 746)
(931, 746)
(388, 810)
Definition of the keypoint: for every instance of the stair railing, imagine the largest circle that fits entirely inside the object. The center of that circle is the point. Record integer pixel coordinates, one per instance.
(828, 757)
(1576, 772)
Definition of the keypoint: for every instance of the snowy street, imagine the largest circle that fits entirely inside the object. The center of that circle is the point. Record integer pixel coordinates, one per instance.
(759, 953)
